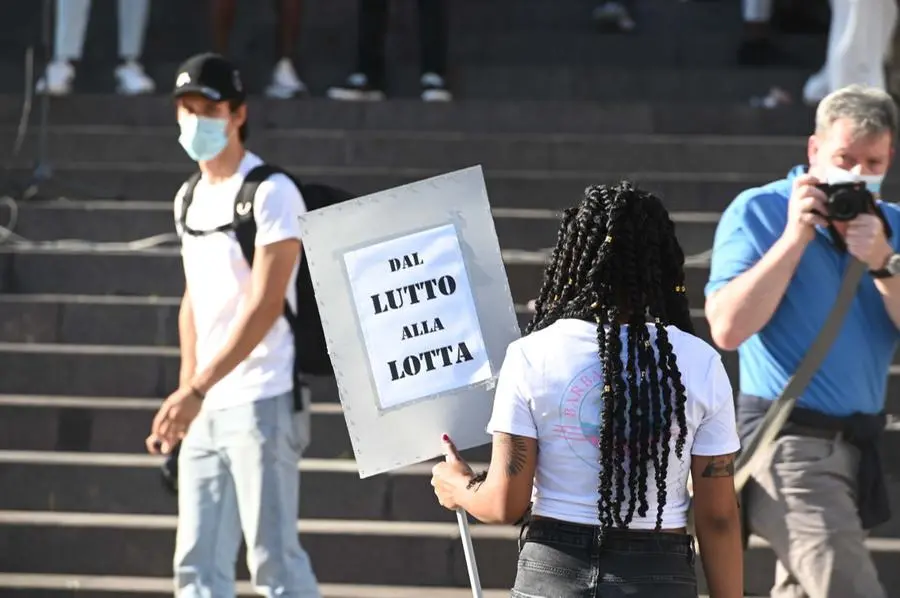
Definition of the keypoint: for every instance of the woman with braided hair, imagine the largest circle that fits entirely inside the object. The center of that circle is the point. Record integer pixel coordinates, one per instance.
(601, 411)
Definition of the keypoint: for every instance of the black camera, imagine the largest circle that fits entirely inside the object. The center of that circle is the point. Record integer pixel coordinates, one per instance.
(846, 201)
(169, 470)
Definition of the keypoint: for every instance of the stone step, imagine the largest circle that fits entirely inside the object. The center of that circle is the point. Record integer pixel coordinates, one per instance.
(24, 585)
(82, 543)
(122, 222)
(119, 425)
(141, 545)
(116, 425)
(527, 115)
(576, 44)
(130, 483)
(142, 321)
(87, 269)
(112, 320)
(604, 80)
(152, 372)
(685, 191)
(113, 145)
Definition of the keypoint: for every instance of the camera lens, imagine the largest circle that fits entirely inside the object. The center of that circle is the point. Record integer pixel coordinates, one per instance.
(841, 207)
(847, 204)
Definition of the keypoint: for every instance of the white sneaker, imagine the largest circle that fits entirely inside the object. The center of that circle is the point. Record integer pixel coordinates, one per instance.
(57, 79)
(356, 89)
(285, 82)
(816, 88)
(614, 16)
(434, 88)
(132, 80)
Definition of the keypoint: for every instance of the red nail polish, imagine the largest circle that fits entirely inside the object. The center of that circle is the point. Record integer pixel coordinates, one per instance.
(445, 438)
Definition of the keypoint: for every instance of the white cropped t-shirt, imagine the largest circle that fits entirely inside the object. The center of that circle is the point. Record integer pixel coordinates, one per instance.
(549, 389)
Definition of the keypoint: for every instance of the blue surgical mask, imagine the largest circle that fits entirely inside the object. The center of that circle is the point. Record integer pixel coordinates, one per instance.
(873, 182)
(201, 137)
(839, 175)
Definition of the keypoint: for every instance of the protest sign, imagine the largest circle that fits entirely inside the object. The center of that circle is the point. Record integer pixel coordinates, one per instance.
(417, 312)
(412, 353)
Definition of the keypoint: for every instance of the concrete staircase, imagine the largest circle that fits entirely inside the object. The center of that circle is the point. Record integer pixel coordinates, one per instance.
(88, 327)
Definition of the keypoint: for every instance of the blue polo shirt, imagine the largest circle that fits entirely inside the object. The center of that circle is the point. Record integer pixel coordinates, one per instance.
(853, 377)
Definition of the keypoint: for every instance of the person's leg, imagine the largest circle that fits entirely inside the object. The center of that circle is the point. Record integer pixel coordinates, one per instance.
(285, 82)
(818, 85)
(68, 43)
(209, 529)
(804, 505)
(858, 41)
(222, 18)
(71, 25)
(289, 14)
(133, 17)
(756, 45)
(264, 441)
(368, 82)
(433, 33)
(373, 25)
(894, 62)
(646, 564)
(556, 559)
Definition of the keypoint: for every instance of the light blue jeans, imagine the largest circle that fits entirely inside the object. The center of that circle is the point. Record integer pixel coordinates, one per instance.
(238, 474)
(72, 21)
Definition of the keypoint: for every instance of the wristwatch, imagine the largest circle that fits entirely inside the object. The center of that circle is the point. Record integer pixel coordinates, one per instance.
(891, 268)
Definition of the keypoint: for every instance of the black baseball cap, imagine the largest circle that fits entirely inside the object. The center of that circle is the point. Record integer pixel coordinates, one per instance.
(211, 76)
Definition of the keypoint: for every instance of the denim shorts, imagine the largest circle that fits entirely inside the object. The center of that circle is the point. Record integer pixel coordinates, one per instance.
(567, 560)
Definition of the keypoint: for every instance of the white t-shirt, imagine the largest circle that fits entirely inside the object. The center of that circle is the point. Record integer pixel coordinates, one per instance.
(218, 277)
(549, 389)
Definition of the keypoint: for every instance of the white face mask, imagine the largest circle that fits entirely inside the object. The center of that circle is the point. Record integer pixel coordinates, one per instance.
(839, 175)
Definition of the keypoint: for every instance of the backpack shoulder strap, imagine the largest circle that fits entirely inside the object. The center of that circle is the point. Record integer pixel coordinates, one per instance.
(244, 223)
(186, 198)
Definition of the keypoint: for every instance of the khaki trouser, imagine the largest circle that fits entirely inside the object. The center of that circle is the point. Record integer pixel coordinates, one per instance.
(804, 505)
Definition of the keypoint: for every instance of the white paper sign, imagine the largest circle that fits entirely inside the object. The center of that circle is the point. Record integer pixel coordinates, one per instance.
(417, 315)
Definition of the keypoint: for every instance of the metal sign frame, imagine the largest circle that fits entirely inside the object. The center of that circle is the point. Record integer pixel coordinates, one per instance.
(384, 440)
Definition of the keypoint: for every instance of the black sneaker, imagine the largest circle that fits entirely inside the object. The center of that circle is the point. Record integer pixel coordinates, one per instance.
(614, 17)
(356, 89)
(434, 88)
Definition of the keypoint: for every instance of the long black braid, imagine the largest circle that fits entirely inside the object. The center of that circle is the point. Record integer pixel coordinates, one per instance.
(617, 261)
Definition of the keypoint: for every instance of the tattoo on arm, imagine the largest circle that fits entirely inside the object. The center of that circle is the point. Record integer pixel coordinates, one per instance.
(476, 481)
(720, 467)
(517, 454)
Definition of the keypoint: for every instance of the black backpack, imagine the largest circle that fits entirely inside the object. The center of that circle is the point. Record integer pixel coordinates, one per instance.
(306, 325)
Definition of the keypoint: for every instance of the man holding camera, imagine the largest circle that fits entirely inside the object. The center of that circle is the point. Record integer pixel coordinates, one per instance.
(779, 257)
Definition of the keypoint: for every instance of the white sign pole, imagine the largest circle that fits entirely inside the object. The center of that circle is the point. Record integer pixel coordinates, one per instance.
(418, 314)
(469, 550)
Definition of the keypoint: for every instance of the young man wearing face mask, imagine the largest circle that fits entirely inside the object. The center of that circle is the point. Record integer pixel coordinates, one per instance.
(775, 274)
(235, 410)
